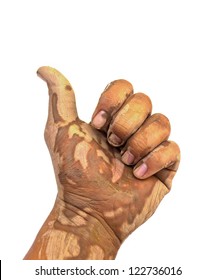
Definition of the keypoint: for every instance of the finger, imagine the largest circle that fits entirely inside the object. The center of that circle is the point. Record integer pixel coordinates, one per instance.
(110, 101)
(154, 131)
(129, 118)
(62, 107)
(165, 158)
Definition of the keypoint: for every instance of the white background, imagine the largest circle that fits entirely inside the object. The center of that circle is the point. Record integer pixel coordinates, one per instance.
(165, 49)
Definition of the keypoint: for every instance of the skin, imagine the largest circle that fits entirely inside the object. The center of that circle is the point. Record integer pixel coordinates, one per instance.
(111, 174)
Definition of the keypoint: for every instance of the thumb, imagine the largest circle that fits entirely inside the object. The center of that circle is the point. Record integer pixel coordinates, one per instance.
(62, 107)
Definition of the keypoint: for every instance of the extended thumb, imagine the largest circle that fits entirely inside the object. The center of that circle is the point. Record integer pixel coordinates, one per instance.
(62, 107)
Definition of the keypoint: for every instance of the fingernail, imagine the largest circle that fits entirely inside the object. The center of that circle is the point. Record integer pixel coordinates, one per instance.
(114, 139)
(100, 119)
(128, 157)
(141, 170)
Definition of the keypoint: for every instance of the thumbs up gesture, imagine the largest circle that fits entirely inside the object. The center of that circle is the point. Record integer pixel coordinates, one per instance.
(111, 174)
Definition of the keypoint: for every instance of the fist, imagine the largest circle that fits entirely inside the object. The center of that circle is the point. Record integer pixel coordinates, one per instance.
(116, 169)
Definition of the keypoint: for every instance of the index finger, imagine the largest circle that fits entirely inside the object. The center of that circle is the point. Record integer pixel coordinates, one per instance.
(110, 101)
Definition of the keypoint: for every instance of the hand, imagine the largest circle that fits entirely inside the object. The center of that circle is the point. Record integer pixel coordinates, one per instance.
(111, 173)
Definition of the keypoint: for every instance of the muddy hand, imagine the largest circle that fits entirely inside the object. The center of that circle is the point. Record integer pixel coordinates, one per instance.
(111, 173)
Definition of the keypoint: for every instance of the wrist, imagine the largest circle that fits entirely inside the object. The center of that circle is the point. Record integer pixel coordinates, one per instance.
(71, 233)
(91, 237)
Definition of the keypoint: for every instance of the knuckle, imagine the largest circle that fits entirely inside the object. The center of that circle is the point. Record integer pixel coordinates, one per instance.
(176, 149)
(144, 100)
(122, 86)
(163, 121)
